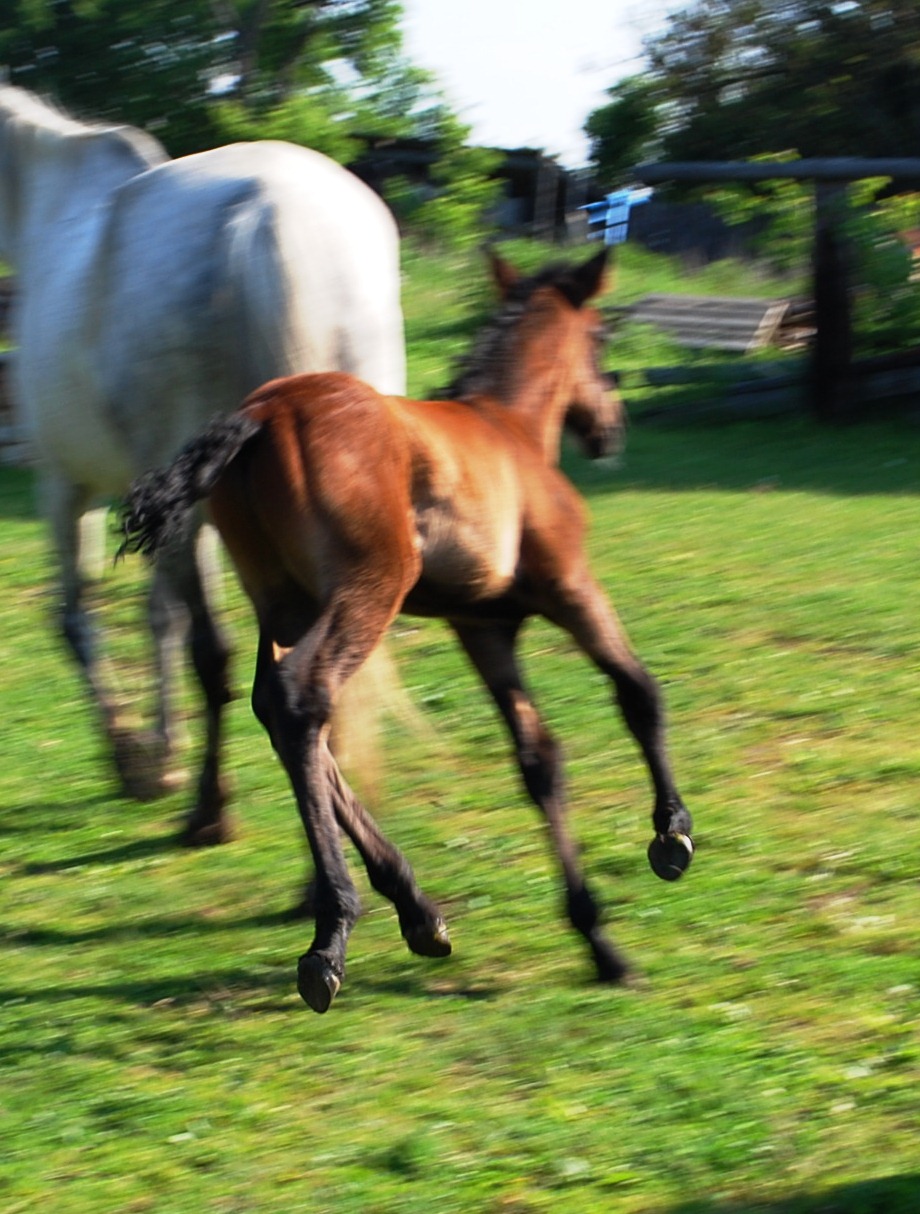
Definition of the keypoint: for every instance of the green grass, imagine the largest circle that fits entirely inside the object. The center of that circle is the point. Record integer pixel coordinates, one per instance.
(154, 1055)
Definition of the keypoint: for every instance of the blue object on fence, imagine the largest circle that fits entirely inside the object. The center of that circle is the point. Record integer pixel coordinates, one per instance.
(613, 213)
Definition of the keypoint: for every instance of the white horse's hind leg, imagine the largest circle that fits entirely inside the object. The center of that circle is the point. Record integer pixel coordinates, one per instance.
(92, 544)
(137, 761)
(168, 617)
(65, 505)
(187, 578)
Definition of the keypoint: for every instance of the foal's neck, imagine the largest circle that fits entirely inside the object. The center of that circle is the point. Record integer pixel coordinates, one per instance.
(536, 387)
(540, 405)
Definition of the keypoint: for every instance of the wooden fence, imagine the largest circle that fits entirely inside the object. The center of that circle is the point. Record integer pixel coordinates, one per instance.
(838, 388)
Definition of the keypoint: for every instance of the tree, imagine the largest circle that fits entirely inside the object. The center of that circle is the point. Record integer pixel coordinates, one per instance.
(192, 70)
(455, 213)
(329, 74)
(624, 132)
(731, 79)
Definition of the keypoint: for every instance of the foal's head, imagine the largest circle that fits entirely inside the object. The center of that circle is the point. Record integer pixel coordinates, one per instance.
(547, 340)
(596, 413)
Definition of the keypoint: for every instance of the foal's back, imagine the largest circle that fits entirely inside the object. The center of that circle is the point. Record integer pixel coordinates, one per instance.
(342, 478)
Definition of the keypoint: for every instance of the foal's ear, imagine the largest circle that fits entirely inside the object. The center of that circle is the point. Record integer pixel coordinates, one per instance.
(504, 274)
(588, 280)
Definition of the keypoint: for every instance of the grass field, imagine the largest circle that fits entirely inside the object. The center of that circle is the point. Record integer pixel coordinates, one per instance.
(155, 1056)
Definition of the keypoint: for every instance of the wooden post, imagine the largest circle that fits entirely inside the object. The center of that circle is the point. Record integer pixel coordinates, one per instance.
(544, 203)
(834, 394)
(830, 373)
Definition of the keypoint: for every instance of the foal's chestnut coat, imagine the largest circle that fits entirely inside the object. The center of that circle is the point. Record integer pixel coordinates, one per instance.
(341, 508)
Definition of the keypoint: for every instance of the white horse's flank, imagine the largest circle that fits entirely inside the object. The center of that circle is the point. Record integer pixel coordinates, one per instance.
(155, 293)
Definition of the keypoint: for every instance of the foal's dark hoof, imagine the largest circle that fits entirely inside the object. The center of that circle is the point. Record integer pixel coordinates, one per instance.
(429, 939)
(317, 981)
(670, 855)
(611, 968)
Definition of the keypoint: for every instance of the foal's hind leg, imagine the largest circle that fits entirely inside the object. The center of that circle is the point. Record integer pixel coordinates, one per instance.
(290, 700)
(491, 650)
(421, 923)
(293, 696)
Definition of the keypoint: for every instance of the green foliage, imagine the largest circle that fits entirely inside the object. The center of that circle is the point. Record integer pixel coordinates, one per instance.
(169, 65)
(624, 132)
(456, 213)
(779, 213)
(147, 64)
(330, 74)
(886, 313)
(726, 79)
(308, 120)
(886, 296)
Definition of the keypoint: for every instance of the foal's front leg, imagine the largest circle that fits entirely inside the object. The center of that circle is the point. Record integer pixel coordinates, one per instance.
(581, 608)
(491, 650)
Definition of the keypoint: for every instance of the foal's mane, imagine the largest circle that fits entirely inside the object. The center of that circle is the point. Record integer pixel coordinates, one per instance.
(483, 367)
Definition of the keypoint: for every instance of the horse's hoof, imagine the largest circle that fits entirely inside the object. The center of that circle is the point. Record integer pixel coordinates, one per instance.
(317, 982)
(611, 968)
(670, 855)
(172, 779)
(429, 939)
(141, 761)
(206, 834)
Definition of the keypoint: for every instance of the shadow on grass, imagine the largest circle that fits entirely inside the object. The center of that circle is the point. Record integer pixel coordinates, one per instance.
(238, 991)
(144, 929)
(243, 987)
(124, 853)
(888, 1195)
(29, 818)
(365, 983)
(426, 981)
(784, 454)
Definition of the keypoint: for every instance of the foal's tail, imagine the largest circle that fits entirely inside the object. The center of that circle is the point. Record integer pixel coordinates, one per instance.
(159, 503)
(156, 511)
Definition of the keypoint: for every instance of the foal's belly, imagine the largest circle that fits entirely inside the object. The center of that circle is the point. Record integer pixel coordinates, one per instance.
(466, 557)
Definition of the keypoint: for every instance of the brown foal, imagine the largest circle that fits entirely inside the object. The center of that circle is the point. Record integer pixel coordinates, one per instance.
(342, 508)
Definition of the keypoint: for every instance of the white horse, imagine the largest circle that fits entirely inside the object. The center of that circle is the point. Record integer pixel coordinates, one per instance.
(154, 294)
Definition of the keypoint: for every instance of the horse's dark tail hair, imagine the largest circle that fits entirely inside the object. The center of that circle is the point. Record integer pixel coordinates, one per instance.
(158, 505)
